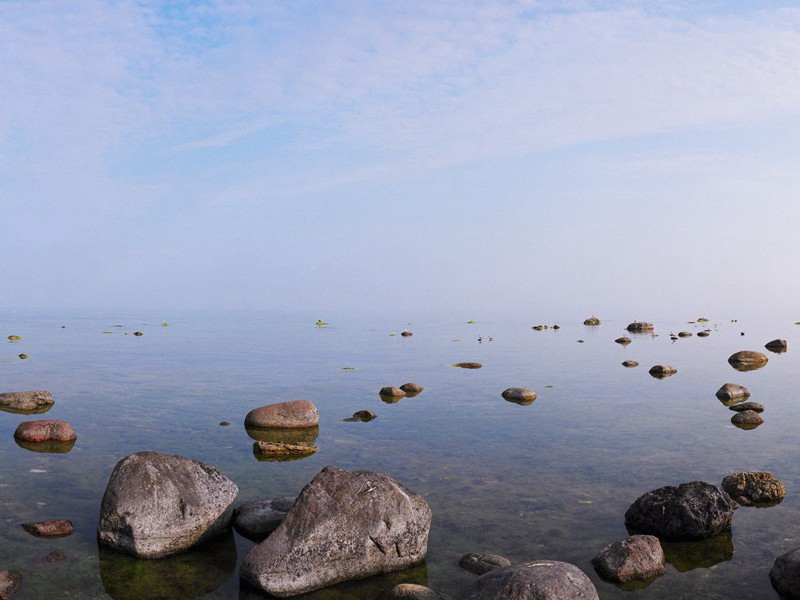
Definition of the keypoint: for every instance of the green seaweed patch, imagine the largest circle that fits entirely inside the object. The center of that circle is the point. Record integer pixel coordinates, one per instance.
(549, 386)
(348, 368)
(14, 338)
(164, 324)
(322, 323)
(455, 340)
(106, 331)
(23, 356)
(471, 322)
(702, 320)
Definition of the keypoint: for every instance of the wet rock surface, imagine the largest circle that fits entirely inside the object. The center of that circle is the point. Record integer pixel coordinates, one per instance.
(363, 415)
(592, 321)
(639, 327)
(59, 528)
(661, 371)
(519, 395)
(747, 419)
(685, 334)
(690, 511)
(747, 360)
(282, 450)
(635, 557)
(296, 414)
(743, 406)
(157, 505)
(344, 525)
(412, 591)
(483, 563)
(45, 431)
(535, 580)
(785, 575)
(36, 401)
(754, 487)
(256, 519)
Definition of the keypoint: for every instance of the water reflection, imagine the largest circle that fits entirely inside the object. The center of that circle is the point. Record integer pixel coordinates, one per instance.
(287, 436)
(46, 447)
(372, 588)
(183, 577)
(702, 554)
(30, 411)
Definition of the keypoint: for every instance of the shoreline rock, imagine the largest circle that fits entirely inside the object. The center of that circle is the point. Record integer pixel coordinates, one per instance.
(295, 414)
(518, 395)
(10, 583)
(35, 401)
(639, 327)
(592, 321)
(45, 431)
(49, 529)
(751, 488)
(636, 557)
(747, 360)
(661, 371)
(747, 419)
(468, 365)
(535, 580)
(732, 391)
(282, 450)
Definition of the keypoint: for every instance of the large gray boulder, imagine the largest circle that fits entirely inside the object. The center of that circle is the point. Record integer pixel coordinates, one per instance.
(536, 580)
(35, 401)
(785, 575)
(342, 526)
(690, 511)
(157, 505)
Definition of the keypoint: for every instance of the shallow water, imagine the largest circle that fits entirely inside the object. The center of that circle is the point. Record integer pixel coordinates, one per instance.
(551, 480)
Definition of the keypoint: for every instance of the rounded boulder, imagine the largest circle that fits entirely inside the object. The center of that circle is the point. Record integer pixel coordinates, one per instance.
(535, 580)
(45, 431)
(296, 414)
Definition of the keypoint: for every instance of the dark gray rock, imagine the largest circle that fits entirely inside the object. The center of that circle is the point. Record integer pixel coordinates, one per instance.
(157, 505)
(256, 519)
(777, 346)
(412, 389)
(635, 557)
(468, 365)
(690, 511)
(519, 395)
(363, 415)
(412, 591)
(785, 575)
(684, 334)
(703, 333)
(592, 321)
(754, 406)
(623, 341)
(391, 391)
(754, 487)
(10, 583)
(37, 401)
(639, 327)
(732, 391)
(535, 580)
(747, 419)
(343, 526)
(630, 363)
(661, 371)
(483, 563)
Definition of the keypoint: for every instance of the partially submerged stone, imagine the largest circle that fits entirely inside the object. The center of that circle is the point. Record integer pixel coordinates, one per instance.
(157, 505)
(468, 365)
(519, 395)
(391, 391)
(256, 519)
(623, 340)
(703, 333)
(635, 557)
(754, 487)
(45, 431)
(406, 333)
(363, 415)
(747, 360)
(684, 334)
(785, 575)
(754, 406)
(46, 447)
(777, 346)
(10, 583)
(412, 389)
(690, 511)
(50, 529)
(732, 391)
(661, 371)
(344, 525)
(412, 591)
(630, 363)
(482, 563)
(639, 327)
(307, 436)
(35, 401)
(296, 414)
(747, 419)
(592, 321)
(535, 580)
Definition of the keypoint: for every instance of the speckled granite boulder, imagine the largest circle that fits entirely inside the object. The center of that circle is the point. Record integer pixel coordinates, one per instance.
(157, 505)
(635, 557)
(45, 431)
(536, 580)
(33, 401)
(296, 414)
(754, 487)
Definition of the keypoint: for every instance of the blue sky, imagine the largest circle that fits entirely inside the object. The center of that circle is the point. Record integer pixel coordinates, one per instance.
(556, 158)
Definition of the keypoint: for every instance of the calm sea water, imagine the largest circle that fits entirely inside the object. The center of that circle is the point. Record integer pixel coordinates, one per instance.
(547, 481)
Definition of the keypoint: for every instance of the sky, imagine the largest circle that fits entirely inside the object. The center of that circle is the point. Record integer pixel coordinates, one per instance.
(537, 158)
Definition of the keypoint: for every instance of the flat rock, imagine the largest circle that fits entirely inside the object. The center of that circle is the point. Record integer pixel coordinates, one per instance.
(157, 505)
(344, 525)
(10, 583)
(777, 346)
(412, 389)
(592, 321)
(45, 431)
(746, 360)
(754, 406)
(732, 391)
(412, 591)
(535, 580)
(635, 557)
(60, 528)
(690, 511)
(391, 391)
(483, 563)
(33, 401)
(630, 363)
(468, 365)
(661, 371)
(256, 519)
(747, 419)
(296, 414)
(639, 327)
(623, 340)
(519, 395)
(785, 575)
(754, 487)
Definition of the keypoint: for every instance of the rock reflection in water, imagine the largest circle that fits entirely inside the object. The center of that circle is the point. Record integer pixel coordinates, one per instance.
(287, 436)
(32, 411)
(702, 554)
(46, 447)
(371, 588)
(183, 577)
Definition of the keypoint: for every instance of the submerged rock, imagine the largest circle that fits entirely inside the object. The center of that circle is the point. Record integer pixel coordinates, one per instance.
(661, 371)
(296, 414)
(635, 557)
(699, 554)
(282, 450)
(639, 327)
(35, 401)
(45, 431)
(754, 487)
(747, 360)
(754, 406)
(592, 321)
(630, 363)
(747, 419)
(623, 340)
(785, 575)
(10, 583)
(48, 529)
(777, 346)
(732, 391)
(256, 519)
(483, 563)
(535, 580)
(343, 526)
(519, 395)
(157, 505)
(412, 591)
(690, 511)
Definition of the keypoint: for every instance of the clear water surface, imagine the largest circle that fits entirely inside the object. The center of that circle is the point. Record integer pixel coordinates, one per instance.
(551, 480)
